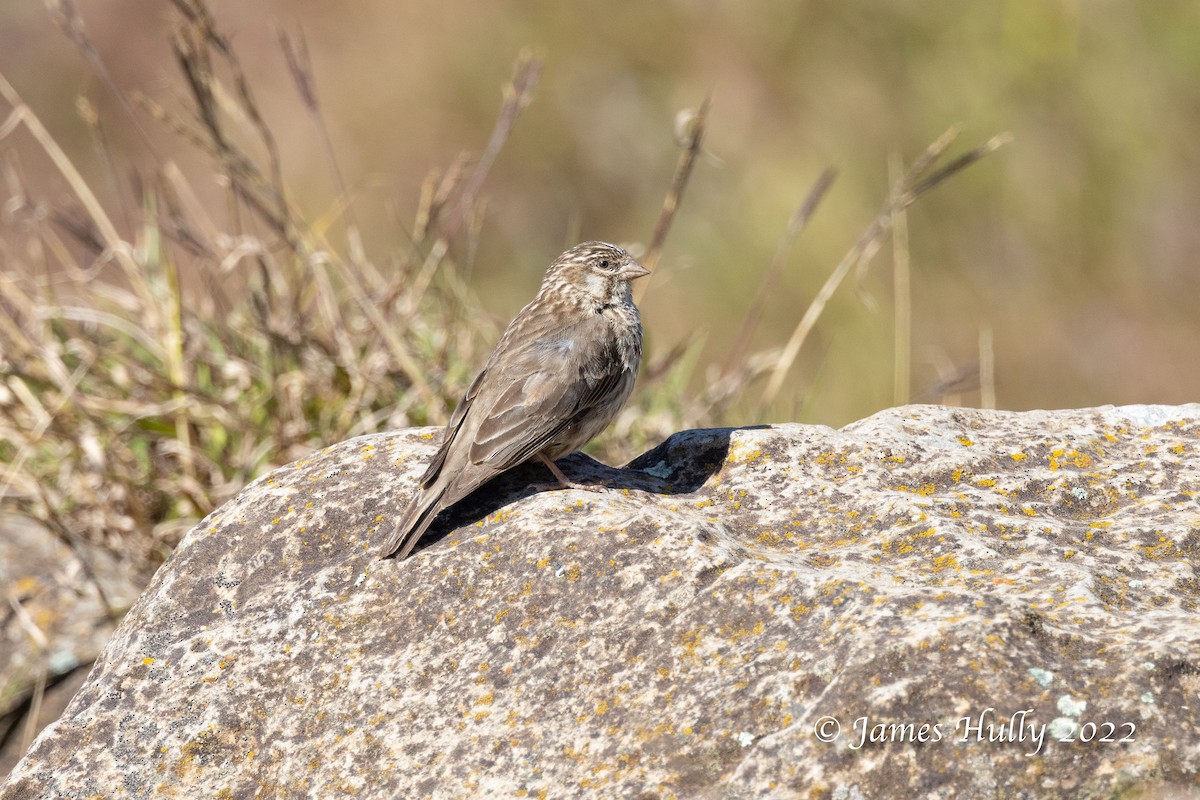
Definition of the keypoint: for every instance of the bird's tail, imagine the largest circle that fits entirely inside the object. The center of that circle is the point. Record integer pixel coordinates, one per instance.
(421, 512)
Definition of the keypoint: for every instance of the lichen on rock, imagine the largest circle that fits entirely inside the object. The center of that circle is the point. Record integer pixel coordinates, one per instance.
(926, 603)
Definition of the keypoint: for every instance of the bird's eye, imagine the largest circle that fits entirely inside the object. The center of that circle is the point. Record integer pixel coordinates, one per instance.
(604, 263)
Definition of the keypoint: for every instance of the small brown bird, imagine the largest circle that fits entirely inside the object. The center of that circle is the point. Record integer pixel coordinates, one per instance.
(561, 371)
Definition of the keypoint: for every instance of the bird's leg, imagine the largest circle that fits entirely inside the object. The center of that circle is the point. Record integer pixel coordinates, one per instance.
(563, 481)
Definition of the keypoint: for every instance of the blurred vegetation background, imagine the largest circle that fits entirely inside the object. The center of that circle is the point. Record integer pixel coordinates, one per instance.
(305, 258)
(234, 233)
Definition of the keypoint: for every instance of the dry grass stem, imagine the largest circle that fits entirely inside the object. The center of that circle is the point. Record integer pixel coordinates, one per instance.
(902, 297)
(766, 285)
(692, 143)
(905, 192)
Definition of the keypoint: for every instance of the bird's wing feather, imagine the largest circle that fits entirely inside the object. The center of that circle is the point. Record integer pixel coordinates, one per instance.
(542, 390)
(452, 429)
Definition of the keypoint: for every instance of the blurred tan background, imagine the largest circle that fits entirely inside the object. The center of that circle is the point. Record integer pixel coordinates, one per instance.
(1076, 244)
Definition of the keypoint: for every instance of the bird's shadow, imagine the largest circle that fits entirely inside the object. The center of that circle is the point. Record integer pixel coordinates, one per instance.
(680, 465)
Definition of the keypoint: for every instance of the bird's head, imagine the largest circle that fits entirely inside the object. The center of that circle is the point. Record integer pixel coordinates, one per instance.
(599, 270)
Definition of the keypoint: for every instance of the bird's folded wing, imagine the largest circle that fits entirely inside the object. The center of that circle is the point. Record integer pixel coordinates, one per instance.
(540, 392)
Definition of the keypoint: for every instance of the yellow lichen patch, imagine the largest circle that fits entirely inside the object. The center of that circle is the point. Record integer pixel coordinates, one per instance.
(945, 562)
(769, 538)
(705, 503)
(926, 489)
(985, 483)
(501, 615)
(147, 661)
(1018, 456)
(1178, 449)
(1163, 550)
(1028, 511)
(965, 441)
(690, 641)
(823, 560)
(1068, 555)
(907, 543)
(1063, 457)
(830, 458)
(738, 455)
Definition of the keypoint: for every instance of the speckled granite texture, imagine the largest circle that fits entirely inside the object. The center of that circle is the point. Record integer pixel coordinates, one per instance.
(964, 604)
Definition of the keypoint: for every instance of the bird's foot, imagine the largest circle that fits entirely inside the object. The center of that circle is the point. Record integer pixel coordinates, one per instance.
(563, 482)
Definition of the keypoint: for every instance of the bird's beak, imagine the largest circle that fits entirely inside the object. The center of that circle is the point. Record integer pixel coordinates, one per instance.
(634, 270)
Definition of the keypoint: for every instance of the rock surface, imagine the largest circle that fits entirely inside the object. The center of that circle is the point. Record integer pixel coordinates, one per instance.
(999, 604)
(56, 614)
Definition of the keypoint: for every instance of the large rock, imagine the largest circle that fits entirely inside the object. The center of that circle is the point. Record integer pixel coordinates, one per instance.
(964, 603)
(58, 606)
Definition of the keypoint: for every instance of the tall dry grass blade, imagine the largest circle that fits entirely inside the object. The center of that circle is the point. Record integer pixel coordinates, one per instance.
(692, 142)
(901, 297)
(987, 367)
(69, 20)
(903, 194)
(265, 194)
(115, 247)
(518, 94)
(41, 644)
(958, 165)
(176, 361)
(295, 53)
(796, 225)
